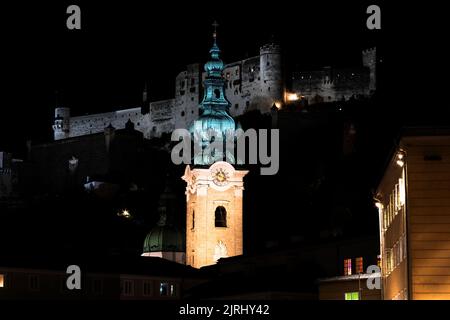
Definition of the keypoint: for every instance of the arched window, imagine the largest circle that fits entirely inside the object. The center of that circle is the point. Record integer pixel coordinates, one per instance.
(217, 93)
(221, 217)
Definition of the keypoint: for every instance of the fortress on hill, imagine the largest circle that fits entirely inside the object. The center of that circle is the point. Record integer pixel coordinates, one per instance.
(255, 83)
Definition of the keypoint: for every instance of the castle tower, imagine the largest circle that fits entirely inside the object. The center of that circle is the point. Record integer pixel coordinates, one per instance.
(369, 58)
(272, 87)
(61, 125)
(214, 192)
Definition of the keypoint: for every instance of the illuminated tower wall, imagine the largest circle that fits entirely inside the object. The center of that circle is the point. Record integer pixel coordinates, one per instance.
(214, 213)
(61, 126)
(272, 84)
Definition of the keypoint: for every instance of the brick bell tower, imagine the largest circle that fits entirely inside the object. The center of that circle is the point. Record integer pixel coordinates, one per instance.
(214, 191)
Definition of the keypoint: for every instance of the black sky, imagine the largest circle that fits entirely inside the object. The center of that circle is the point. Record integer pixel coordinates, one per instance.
(123, 44)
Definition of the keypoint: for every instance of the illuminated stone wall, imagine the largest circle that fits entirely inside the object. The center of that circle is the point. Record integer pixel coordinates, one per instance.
(205, 242)
(335, 84)
(329, 85)
(253, 83)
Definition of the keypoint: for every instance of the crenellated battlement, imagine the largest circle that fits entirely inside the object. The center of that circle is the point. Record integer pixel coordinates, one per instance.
(270, 48)
(369, 56)
(369, 51)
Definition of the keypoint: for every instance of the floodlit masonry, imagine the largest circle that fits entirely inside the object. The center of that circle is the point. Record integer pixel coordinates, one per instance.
(255, 83)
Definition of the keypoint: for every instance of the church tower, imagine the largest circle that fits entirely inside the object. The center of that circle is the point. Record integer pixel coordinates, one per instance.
(214, 191)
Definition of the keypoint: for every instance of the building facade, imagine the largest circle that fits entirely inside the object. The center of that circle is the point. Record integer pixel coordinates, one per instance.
(414, 216)
(146, 279)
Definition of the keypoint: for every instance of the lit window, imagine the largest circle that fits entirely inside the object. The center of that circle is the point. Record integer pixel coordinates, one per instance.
(402, 193)
(391, 255)
(2, 280)
(347, 267)
(391, 198)
(389, 260)
(398, 195)
(352, 296)
(359, 265)
(166, 289)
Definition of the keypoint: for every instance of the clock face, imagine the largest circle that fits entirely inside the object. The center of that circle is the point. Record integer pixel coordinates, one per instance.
(220, 177)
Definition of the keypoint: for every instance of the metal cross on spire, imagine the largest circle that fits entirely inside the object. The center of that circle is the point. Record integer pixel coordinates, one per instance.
(215, 25)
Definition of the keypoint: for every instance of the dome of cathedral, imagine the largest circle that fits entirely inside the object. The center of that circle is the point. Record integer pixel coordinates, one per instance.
(215, 65)
(164, 238)
(214, 120)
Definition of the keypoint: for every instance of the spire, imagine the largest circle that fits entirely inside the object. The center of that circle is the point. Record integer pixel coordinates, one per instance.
(215, 25)
(214, 67)
(214, 116)
(214, 83)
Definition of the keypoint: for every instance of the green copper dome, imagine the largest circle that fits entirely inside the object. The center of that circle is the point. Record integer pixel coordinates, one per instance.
(164, 236)
(214, 118)
(164, 239)
(215, 65)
